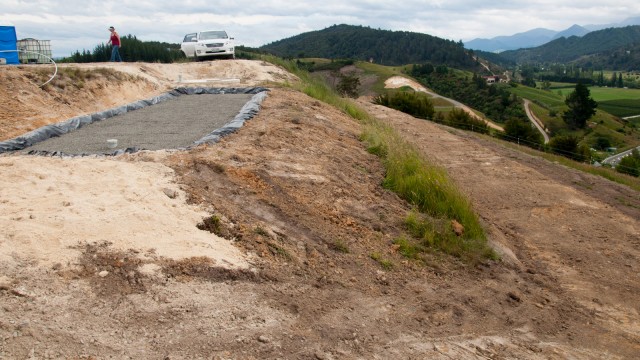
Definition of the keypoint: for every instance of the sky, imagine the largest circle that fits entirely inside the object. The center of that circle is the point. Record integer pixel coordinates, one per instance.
(73, 25)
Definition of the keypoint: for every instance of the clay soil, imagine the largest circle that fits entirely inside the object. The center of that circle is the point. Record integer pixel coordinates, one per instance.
(297, 195)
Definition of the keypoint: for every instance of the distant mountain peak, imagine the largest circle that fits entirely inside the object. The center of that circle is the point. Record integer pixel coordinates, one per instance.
(540, 36)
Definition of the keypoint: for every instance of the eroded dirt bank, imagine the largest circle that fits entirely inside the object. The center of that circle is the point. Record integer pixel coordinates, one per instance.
(297, 193)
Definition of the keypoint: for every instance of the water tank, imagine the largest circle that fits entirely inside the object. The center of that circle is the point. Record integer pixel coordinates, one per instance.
(32, 51)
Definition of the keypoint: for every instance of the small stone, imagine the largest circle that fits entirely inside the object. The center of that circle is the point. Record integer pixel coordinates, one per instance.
(103, 273)
(514, 296)
(5, 283)
(263, 339)
(458, 229)
(172, 194)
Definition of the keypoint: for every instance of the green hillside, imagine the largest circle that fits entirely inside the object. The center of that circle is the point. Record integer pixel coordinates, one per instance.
(612, 48)
(381, 46)
(548, 106)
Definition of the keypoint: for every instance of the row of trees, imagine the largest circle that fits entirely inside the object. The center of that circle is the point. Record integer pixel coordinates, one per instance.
(530, 74)
(132, 49)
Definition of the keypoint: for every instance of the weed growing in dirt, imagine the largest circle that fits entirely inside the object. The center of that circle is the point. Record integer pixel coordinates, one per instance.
(211, 224)
(278, 250)
(261, 231)
(385, 263)
(340, 246)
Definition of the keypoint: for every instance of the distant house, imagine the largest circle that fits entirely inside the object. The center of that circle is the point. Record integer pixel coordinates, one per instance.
(492, 79)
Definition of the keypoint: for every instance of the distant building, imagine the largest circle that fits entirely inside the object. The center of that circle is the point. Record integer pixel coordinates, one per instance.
(493, 79)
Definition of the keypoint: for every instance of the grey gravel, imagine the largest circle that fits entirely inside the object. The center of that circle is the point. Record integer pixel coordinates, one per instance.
(172, 124)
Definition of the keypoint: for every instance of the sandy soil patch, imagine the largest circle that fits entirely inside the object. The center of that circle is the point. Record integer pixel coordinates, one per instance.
(71, 202)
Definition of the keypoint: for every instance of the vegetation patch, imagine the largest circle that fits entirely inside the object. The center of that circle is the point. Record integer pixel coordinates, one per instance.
(385, 263)
(621, 107)
(340, 245)
(409, 174)
(414, 103)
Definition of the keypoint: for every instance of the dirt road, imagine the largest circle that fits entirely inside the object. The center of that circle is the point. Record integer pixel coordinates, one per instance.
(535, 121)
(299, 199)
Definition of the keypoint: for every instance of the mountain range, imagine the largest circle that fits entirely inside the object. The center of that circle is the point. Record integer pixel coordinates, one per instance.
(614, 48)
(540, 36)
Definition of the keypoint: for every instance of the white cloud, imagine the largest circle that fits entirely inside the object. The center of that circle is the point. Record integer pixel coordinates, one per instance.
(75, 25)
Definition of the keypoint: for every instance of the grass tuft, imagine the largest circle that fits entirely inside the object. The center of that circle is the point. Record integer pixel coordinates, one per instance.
(385, 263)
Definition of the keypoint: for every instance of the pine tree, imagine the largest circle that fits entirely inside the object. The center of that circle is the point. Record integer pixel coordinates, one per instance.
(581, 107)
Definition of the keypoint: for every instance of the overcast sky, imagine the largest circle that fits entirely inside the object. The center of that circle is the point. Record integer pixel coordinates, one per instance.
(82, 24)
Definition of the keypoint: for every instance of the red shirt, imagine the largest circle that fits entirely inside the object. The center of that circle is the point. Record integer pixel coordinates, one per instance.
(115, 39)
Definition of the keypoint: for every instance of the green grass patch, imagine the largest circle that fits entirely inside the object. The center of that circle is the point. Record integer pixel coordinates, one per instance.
(546, 98)
(621, 107)
(381, 72)
(606, 93)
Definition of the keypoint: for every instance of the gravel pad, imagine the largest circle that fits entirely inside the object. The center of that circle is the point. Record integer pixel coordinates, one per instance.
(172, 124)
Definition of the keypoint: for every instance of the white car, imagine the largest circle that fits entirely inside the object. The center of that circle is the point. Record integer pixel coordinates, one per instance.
(208, 43)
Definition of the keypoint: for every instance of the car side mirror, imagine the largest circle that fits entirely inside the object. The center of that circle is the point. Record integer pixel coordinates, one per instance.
(232, 38)
(194, 40)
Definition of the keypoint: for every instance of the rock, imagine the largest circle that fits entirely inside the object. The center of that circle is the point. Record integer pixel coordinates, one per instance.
(263, 339)
(5, 283)
(514, 296)
(103, 273)
(458, 229)
(172, 194)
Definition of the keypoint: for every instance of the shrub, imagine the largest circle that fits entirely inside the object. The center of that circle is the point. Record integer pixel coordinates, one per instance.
(413, 103)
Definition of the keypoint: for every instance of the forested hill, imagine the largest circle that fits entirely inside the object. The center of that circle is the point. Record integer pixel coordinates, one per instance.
(383, 46)
(612, 48)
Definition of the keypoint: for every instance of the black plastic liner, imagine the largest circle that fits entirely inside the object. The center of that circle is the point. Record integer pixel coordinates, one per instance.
(248, 111)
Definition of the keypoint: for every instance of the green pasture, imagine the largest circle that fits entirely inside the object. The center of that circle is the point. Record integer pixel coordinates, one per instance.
(621, 107)
(616, 101)
(601, 93)
(381, 73)
(548, 99)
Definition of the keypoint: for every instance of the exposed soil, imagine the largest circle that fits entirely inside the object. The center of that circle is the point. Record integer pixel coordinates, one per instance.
(297, 193)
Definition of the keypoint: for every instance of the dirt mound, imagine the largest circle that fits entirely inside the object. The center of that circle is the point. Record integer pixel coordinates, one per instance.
(79, 89)
(296, 195)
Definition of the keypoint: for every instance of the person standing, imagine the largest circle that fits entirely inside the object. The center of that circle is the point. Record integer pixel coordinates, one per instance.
(114, 40)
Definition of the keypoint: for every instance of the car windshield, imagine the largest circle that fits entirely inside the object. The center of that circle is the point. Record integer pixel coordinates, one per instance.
(207, 35)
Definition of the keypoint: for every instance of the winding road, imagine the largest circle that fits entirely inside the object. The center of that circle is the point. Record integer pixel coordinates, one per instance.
(538, 124)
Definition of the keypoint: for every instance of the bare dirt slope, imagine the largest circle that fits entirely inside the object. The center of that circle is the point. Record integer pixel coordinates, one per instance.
(299, 198)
